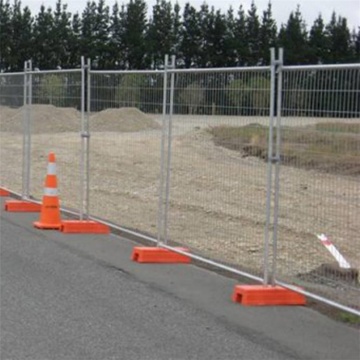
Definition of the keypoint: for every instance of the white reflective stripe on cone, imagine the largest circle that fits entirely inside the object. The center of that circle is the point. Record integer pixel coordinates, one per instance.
(51, 169)
(50, 191)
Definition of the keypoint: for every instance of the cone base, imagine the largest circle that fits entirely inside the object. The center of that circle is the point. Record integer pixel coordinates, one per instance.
(158, 255)
(21, 206)
(40, 225)
(84, 227)
(262, 295)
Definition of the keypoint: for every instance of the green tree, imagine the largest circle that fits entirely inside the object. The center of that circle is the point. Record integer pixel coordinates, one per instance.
(88, 30)
(293, 38)
(20, 47)
(51, 90)
(235, 92)
(43, 53)
(160, 33)
(61, 34)
(134, 21)
(241, 46)
(75, 42)
(339, 40)
(190, 37)
(214, 40)
(116, 42)
(253, 35)
(193, 97)
(268, 35)
(5, 35)
(128, 92)
(230, 41)
(318, 42)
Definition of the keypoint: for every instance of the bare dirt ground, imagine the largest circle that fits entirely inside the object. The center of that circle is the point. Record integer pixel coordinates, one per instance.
(217, 196)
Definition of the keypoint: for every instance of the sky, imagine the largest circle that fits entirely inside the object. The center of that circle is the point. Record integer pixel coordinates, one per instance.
(310, 9)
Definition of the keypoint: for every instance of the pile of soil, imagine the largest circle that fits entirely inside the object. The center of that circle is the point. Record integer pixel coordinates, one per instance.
(48, 119)
(122, 120)
(45, 119)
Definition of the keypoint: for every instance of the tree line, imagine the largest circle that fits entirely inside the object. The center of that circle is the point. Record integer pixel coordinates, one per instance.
(126, 37)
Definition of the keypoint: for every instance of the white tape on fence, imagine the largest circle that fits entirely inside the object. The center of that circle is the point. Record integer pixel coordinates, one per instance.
(334, 251)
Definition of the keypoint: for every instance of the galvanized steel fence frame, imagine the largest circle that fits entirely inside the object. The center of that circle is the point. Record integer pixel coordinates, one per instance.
(271, 212)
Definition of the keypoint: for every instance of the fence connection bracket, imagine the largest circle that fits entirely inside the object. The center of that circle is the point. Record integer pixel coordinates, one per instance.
(266, 295)
(159, 255)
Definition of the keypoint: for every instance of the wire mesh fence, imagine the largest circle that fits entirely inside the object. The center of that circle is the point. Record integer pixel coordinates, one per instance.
(125, 125)
(217, 186)
(319, 181)
(183, 155)
(12, 112)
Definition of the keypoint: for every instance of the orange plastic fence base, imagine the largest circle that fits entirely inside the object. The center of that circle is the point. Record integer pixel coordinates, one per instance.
(47, 226)
(158, 255)
(4, 192)
(253, 295)
(21, 206)
(84, 227)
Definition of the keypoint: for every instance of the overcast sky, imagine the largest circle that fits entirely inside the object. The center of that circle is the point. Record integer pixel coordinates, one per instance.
(310, 9)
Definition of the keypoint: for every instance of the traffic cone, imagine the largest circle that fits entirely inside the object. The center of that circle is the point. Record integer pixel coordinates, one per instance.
(50, 208)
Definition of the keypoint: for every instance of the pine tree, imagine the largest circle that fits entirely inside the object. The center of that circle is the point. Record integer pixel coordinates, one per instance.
(21, 36)
(134, 21)
(242, 50)
(160, 32)
(190, 37)
(268, 35)
(253, 35)
(44, 54)
(5, 35)
(116, 43)
(61, 34)
(230, 41)
(88, 40)
(339, 40)
(293, 38)
(75, 42)
(318, 42)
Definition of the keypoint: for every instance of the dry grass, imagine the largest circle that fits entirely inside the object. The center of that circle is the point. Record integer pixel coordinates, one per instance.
(327, 147)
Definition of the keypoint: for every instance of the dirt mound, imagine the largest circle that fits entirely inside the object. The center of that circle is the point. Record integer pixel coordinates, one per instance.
(122, 120)
(45, 119)
(51, 119)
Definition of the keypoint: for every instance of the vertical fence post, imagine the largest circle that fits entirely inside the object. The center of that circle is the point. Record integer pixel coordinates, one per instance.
(269, 168)
(25, 134)
(83, 140)
(160, 235)
(277, 163)
(168, 172)
(27, 129)
(87, 137)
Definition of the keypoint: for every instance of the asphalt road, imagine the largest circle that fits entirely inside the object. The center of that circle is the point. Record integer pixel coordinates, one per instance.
(80, 297)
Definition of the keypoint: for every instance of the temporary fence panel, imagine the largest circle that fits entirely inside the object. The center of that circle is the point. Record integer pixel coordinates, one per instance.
(125, 125)
(217, 182)
(13, 111)
(319, 205)
(56, 118)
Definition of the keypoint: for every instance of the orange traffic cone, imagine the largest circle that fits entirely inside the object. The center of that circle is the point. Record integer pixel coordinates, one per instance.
(50, 208)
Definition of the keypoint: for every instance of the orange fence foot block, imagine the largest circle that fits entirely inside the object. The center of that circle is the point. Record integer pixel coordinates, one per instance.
(4, 192)
(158, 255)
(257, 295)
(84, 227)
(21, 206)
